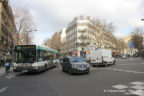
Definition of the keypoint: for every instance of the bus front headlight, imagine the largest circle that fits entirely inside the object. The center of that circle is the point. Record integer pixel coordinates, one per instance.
(15, 65)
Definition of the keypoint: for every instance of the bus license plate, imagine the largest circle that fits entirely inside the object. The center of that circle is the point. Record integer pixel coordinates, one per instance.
(25, 70)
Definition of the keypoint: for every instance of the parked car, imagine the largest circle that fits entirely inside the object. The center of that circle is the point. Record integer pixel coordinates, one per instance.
(124, 56)
(100, 57)
(75, 65)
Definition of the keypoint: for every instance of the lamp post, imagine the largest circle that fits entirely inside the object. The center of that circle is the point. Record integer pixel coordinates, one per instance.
(27, 41)
(142, 40)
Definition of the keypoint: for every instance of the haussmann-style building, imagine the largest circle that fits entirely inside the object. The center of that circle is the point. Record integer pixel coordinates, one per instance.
(7, 27)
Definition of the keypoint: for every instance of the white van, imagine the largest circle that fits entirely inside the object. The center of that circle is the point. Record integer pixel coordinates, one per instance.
(100, 57)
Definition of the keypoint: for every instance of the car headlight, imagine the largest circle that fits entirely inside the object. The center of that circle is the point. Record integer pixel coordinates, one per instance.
(88, 65)
(74, 66)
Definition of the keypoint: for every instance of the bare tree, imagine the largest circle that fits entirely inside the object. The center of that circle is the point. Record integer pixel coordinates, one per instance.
(121, 45)
(54, 42)
(47, 42)
(24, 24)
(137, 38)
(105, 31)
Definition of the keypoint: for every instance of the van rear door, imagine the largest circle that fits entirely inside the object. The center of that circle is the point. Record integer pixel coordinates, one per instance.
(107, 54)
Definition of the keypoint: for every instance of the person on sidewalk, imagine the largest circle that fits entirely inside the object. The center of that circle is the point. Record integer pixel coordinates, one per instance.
(0, 63)
(7, 65)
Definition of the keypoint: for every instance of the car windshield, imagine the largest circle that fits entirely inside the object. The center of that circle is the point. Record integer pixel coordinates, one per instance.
(77, 59)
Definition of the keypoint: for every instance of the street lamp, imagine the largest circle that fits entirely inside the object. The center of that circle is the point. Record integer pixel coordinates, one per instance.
(142, 45)
(28, 35)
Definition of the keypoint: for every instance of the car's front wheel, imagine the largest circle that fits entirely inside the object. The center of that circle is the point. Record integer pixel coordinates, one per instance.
(87, 72)
(63, 70)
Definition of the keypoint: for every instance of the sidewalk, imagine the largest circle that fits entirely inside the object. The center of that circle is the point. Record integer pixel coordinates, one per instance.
(2, 71)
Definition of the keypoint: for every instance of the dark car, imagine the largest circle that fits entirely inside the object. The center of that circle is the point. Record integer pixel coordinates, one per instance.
(75, 65)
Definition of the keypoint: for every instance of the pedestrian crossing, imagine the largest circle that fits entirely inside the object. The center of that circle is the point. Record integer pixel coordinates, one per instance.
(10, 76)
(132, 88)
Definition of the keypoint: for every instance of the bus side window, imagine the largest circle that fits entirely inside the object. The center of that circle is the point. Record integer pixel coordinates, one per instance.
(40, 55)
(46, 56)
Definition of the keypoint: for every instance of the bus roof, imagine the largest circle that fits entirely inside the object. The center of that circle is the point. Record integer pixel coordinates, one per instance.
(42, 48)
(46, 49)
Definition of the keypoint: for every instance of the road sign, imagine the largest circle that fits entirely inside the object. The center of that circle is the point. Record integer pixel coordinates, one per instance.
(96, 48)
(131, 45)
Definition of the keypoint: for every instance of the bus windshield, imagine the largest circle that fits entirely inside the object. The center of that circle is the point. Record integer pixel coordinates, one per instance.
(25, 56)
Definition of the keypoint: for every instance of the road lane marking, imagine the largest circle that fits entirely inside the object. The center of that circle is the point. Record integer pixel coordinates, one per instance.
(120, 87)
(3, 89)
(138, 92)
(137, 83)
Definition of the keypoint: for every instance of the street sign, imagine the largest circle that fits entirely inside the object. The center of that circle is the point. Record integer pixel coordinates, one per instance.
(142, 48)
(96, 48)
(131, 45)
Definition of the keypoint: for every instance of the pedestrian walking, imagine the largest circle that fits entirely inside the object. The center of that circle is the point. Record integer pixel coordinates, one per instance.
(7, 65)
(0, 63)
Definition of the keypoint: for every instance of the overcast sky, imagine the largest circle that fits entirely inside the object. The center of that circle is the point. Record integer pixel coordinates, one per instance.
(53, 15)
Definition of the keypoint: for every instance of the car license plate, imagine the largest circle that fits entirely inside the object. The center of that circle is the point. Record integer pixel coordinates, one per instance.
(81, 68)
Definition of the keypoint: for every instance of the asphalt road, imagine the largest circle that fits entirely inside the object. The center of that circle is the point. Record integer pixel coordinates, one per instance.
(126, 78)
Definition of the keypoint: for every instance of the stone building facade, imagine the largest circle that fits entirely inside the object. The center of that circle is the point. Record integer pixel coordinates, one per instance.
(82, 32)
(7, 27)
(63, 47)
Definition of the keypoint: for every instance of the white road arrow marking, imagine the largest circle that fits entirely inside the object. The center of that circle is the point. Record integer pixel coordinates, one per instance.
(138, 92)
(3, 89)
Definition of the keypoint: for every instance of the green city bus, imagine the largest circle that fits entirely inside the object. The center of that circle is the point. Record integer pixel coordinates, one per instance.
(33, 58)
